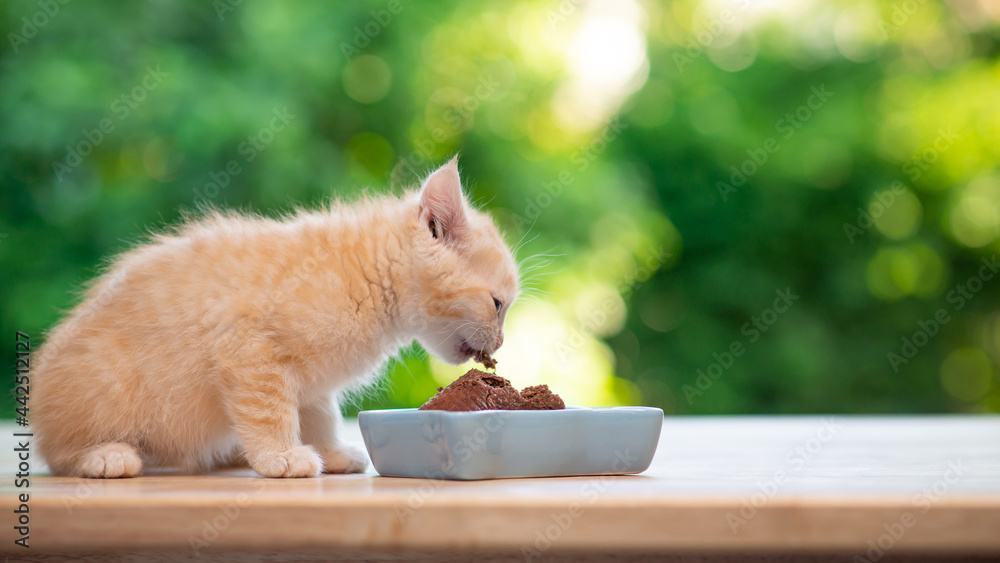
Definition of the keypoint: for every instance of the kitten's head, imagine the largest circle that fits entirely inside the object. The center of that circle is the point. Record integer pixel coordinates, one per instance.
(466, 275)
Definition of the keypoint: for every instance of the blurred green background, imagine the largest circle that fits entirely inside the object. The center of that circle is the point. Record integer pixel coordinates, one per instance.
(724, 207)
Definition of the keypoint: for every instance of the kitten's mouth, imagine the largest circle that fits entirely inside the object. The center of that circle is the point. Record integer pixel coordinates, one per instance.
(468, 351)
(480, 356)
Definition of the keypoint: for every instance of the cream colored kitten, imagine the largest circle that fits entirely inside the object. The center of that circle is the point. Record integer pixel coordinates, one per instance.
(234, 334)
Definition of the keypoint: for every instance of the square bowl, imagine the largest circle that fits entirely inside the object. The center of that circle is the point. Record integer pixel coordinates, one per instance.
(496, 444)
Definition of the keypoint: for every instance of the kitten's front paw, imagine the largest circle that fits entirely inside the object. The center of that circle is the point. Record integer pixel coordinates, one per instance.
(110, 461)
(344, 459)
(300, 461)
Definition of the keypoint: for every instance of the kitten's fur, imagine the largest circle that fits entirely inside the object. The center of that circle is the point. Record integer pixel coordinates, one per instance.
(231, 337)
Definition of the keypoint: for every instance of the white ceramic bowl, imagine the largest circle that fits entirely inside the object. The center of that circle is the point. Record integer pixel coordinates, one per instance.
(498, 444)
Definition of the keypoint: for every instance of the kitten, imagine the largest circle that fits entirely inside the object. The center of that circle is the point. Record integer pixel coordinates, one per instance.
(231, 337)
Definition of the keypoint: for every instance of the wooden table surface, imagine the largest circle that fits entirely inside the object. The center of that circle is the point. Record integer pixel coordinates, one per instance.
(718, 485)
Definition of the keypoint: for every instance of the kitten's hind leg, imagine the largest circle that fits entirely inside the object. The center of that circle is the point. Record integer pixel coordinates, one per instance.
(320, 423)
(266, 419)
(109, 461)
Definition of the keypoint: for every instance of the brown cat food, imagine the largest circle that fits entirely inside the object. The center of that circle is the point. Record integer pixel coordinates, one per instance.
(479, 391)
(487, 360)
(541, 398)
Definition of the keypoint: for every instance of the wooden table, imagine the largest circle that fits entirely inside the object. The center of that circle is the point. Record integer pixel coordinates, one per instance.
(720, 488)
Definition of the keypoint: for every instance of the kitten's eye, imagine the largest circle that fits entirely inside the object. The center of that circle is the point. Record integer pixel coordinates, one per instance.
(498, 304)
(434, 232)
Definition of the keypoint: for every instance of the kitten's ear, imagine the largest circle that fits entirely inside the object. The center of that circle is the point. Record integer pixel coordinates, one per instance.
(442, 206)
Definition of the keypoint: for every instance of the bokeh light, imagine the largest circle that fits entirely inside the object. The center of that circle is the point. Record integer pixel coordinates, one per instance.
(898, 215)
(967, 373)
(898, 271)
(367, 79)
(975, 214)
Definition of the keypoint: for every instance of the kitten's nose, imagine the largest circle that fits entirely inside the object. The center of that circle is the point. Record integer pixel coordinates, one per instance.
(500, 339)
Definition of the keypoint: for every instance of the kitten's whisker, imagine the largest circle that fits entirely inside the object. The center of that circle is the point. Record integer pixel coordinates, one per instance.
(540, 260)
(533, 295)
(475, 333)
(531, 271)
(534, 275)
(544, 254)
(528, 299)
(528, 272)
(526, 233)
(464, 324)
(481, 204)
(534, 291)
(452, 323)
(522, 242)
(467, 323)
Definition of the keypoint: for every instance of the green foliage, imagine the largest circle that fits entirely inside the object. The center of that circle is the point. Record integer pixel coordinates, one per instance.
(678, 168)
